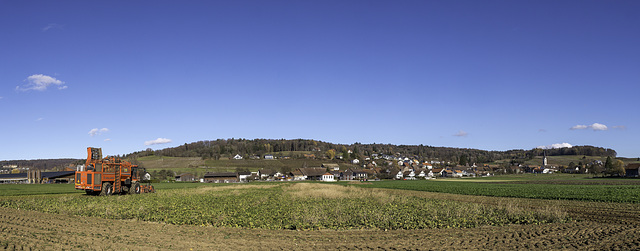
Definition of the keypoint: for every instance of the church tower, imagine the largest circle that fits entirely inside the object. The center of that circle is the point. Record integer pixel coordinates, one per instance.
(544, 160)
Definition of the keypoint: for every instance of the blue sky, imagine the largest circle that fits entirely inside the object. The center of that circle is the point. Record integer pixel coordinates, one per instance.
(492, 75)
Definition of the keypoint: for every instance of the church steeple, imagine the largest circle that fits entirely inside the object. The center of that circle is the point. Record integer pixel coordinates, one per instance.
(544, 160)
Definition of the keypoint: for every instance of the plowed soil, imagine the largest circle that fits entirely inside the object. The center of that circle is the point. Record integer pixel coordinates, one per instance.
(597, 226)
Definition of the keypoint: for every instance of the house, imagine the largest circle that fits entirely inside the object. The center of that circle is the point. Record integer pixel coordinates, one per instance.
(297, 175)
(399, 175)
(459, 173)
(237, 156)
(185, 177)
(328, 177)
(221, 177)
(313, 173)
(331, 166)
(409, 175)
(346, 175)
(447, 173)
(632, 170)
(360, 174)
(268, 156)
(438, 171)
(421, 172)
(244, 176)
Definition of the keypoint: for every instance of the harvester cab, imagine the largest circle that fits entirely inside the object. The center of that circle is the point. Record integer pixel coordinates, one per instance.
(107, 176)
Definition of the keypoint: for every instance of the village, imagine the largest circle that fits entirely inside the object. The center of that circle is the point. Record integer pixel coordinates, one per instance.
(396, 168)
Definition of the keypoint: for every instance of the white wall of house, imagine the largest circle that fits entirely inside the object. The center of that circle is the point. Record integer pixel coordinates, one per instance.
(328, 177)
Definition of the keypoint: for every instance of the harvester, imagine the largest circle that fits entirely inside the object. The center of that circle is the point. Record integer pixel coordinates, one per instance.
(110, 175)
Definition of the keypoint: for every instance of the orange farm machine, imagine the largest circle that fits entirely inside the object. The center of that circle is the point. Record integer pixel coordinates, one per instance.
(110, 176)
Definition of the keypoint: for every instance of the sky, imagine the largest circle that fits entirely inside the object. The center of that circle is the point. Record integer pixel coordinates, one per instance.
(492, 75)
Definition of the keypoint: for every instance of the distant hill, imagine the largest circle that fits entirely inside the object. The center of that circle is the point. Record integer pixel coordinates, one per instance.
(303, 148)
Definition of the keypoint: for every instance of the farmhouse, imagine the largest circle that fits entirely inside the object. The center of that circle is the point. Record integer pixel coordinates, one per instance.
(632, 170)
(313, 173)
(297, 175)
(362, 174)
(185, 177)
(221, 178)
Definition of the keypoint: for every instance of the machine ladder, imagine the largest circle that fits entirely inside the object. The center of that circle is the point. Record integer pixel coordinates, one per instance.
(117, 183)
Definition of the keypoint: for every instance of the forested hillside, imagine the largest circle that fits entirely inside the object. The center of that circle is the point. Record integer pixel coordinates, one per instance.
(298, 148)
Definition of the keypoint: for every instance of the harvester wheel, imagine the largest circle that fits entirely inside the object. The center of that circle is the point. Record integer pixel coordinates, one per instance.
(107, 189)
(136, 188)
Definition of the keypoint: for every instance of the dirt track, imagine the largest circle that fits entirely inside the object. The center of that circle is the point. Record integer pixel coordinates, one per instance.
(28, 230)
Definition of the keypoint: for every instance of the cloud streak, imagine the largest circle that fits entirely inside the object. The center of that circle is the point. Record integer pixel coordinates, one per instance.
(40, 82)
(157, 141)
(96, 131)
(557, 145)
(52, 26)
(461, 133)
(594, 126)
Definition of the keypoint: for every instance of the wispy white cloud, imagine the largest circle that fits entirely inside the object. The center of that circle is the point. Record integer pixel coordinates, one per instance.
(557, 145)
(39, 119)
(52, 26)
(157, 141)
(461, 133)
(96, 131)
(620, 127)
(39, 82)
(542, 130)
(594, 126)
(107, 139)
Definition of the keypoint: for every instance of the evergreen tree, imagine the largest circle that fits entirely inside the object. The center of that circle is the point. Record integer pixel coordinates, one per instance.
(608, 166)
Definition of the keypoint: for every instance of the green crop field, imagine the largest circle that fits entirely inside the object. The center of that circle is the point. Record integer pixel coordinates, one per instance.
(283, 206)
(553, 187)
